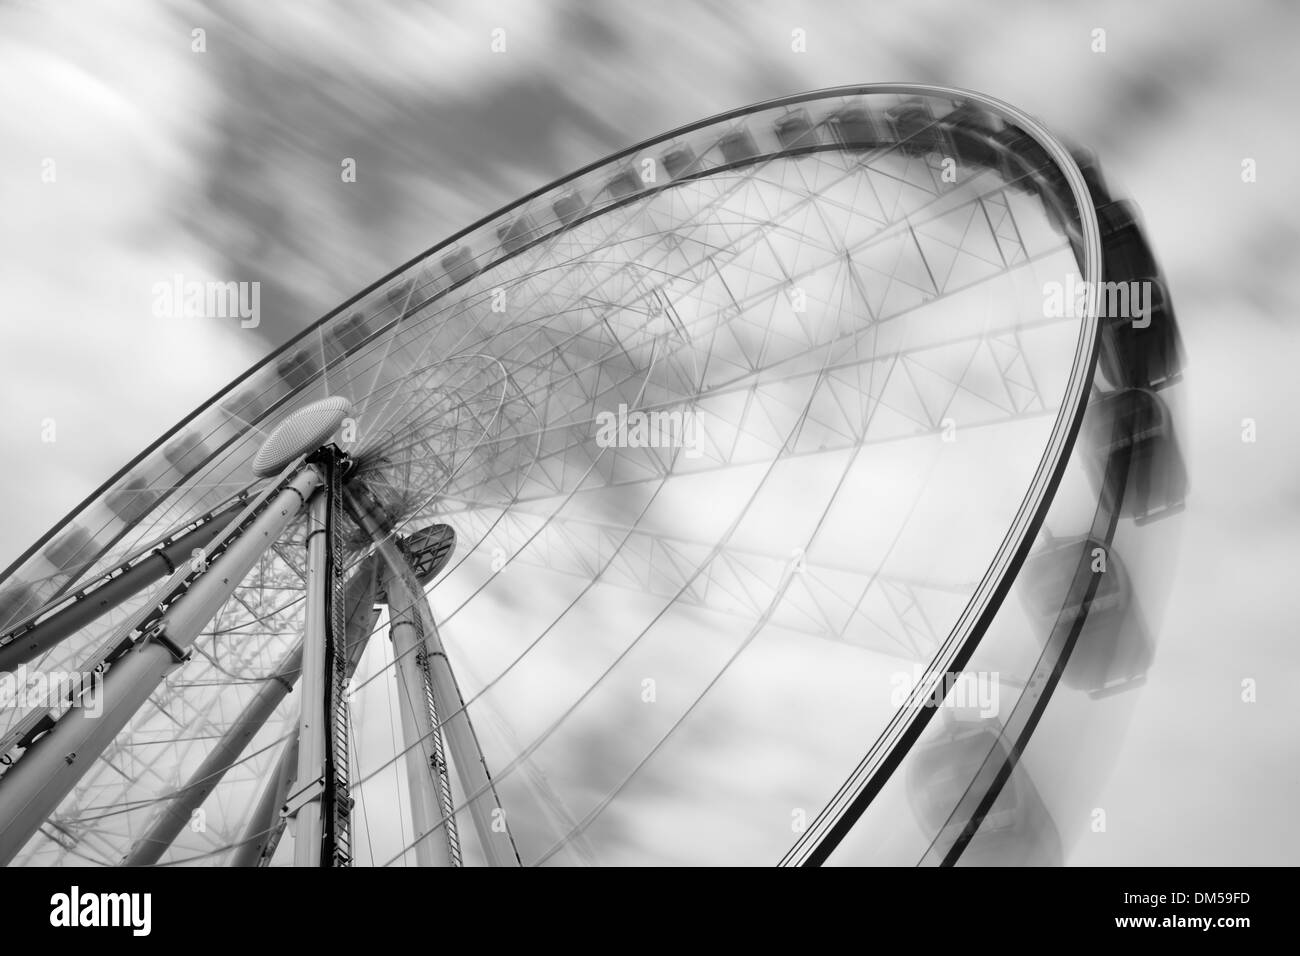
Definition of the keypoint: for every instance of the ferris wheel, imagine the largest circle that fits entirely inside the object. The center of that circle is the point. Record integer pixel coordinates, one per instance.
(732, 499)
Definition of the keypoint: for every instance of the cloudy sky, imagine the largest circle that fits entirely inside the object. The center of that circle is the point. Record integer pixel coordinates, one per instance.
(128, 157)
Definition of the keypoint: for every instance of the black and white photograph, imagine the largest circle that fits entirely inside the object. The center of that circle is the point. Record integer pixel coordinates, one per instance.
(735, 433)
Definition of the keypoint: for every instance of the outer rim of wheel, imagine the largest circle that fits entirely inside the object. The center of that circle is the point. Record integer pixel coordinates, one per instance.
(987, 599)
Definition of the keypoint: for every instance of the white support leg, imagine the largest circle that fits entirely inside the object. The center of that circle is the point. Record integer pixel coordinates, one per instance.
(417, 729)
(466, 756)
(306, 803)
